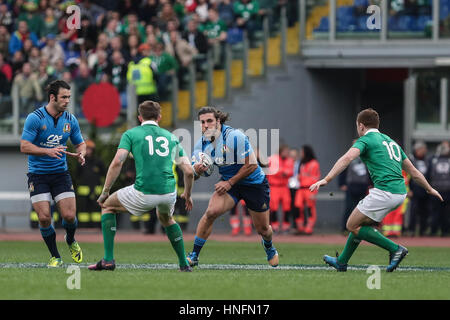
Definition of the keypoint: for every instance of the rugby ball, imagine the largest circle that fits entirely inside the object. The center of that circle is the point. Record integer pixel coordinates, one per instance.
(206, 161)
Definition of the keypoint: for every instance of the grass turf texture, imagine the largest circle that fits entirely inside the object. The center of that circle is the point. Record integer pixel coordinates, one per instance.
(429, 280)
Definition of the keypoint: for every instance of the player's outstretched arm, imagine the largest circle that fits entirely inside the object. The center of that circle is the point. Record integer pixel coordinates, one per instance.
(113, 173)
(338, 167)
(419, 178)
(188, 176)
(30, 149)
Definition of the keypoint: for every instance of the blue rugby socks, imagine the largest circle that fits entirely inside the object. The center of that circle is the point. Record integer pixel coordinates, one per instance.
(70, 230)
(49, 236)
(198, 245)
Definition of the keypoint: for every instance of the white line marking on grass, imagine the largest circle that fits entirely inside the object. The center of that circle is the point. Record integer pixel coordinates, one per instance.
(169, 266)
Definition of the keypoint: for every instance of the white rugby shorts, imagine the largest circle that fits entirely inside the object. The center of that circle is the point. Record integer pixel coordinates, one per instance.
(378, 203)
(138, 203)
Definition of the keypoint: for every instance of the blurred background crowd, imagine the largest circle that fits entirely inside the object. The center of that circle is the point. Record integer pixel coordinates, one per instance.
(116, 39)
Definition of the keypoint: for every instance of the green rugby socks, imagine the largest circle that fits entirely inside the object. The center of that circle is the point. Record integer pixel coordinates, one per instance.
(372, 235)
(350, 247)
(175, 236)
(109, 231)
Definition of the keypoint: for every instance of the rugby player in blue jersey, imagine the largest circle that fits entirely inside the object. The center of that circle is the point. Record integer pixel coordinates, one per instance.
(241, 178)
(44, 137)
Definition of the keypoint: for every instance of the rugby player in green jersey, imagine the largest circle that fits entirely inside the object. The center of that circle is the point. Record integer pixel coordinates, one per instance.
(385, 160)
(155, 152)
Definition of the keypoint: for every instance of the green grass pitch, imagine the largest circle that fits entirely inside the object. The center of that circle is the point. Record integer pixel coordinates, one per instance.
(228, 271)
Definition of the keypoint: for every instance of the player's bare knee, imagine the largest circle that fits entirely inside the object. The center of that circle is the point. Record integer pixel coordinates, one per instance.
(264, 230)
(212, 214)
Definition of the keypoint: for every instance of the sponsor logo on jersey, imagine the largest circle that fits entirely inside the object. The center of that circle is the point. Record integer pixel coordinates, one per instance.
(66, 127)
(53, 140)
(44, 127)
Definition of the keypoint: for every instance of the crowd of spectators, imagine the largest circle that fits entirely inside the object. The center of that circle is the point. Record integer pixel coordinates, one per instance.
(37, 46)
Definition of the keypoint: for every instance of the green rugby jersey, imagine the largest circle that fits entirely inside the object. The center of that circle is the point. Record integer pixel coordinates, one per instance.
(383, 158)
(154, 150)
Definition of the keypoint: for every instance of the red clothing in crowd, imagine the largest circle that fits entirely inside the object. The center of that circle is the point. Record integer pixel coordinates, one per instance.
(309, 174)
(282, 170)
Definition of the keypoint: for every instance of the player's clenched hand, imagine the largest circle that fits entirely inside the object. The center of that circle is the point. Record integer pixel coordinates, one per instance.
(200, 168)
(317, 185)
(102, 198)
(189, 203)
(56, 152)
(436, 194)
(222, 187)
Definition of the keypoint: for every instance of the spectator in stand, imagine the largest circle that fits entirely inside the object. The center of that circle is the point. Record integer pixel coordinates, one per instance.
(101, 67)
(94, 12)
(142, 75)
(6, 17)
(50, 23)
(117, 73)
(166, 14)
(67, 36)
(195, 38)
(216, 32)
(112, 28)
(149, 11)
(246, 13)
(88, 35)
(53, 50)
(183, 52)
(59, 68)
(83, 80)
(439, 173)
(115, 44)
(44, 78)
(5, 68)
(172, 25)
(131, 23)
(26, 49)
(29, 89)
(4, 40)
(125, 7)
(166, 66)
(34, 58)
(32, 17)
(202, 10)
(419, 210)
(17, 62)
(226, 13)
(132, 52)
(19, 36)
(5, 78)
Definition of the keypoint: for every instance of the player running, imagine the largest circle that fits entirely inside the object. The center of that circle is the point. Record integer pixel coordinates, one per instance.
(44, 137)
(384, 159)
(241, 178)
(155, 151)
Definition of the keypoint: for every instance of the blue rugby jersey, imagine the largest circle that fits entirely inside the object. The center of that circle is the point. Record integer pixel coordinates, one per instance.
(43, 131)
(232, 147)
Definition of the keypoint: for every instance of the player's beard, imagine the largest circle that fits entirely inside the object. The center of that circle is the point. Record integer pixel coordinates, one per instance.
(212, 134)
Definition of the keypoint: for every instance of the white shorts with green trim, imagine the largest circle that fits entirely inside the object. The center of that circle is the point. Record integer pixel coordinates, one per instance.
(378, 203)
(138, 203)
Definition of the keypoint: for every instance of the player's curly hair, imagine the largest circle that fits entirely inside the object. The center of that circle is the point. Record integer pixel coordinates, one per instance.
(218, 114)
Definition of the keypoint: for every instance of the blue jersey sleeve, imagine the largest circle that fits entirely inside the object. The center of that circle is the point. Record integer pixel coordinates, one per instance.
(75, 136)
(239, 143)
(31, 127)
(197, 149)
